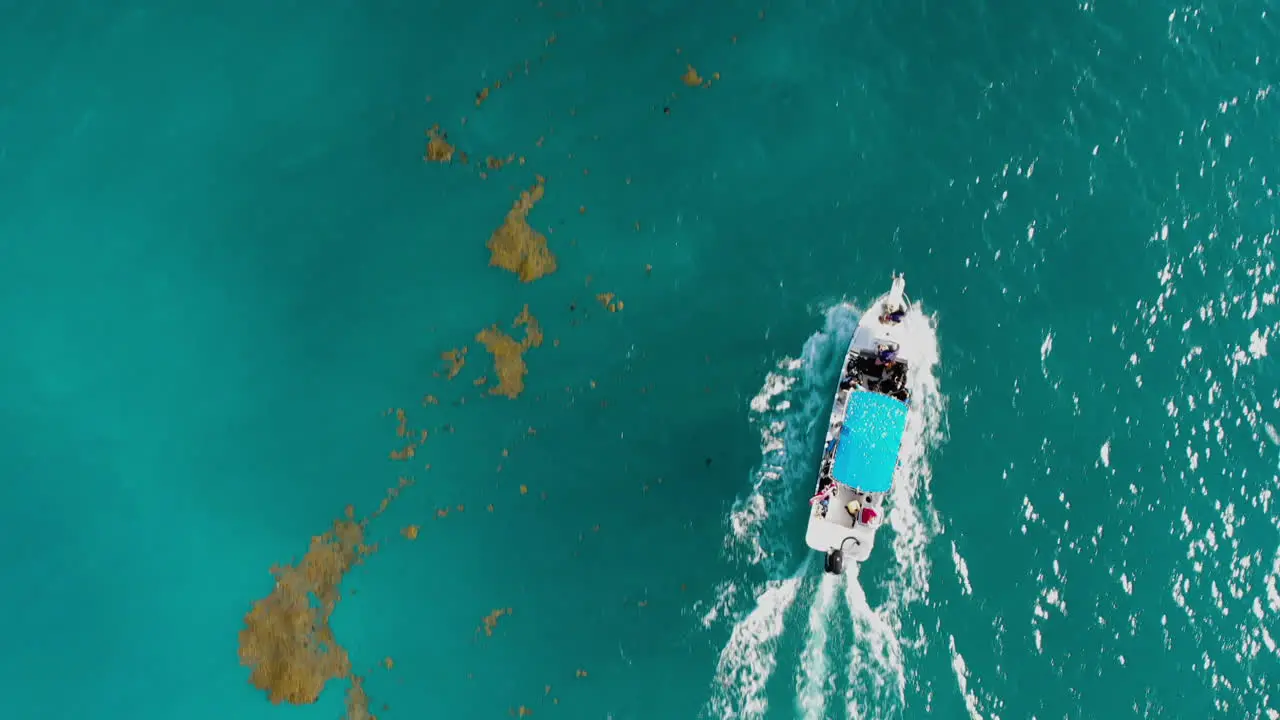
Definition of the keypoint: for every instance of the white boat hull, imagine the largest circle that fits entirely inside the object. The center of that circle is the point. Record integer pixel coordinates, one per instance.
(871, 394)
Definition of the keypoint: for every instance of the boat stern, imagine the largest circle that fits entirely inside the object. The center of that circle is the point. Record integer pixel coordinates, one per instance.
(834, 532)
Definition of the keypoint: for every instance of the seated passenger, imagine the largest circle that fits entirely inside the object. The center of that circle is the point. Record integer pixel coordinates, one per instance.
(893, 316)
(869, 515)
(824, 495)
(853, 507)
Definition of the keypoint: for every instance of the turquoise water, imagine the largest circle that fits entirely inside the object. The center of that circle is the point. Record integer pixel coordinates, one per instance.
(222, 260)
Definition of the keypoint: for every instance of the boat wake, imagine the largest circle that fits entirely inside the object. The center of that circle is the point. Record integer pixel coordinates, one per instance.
(848, 653)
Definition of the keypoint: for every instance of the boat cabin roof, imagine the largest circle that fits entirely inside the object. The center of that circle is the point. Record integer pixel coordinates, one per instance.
(870, 438)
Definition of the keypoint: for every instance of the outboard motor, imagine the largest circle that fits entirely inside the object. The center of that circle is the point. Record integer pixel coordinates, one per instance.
(835, 562)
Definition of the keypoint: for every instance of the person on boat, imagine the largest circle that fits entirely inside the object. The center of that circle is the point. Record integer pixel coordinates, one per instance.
(885, 355)
(894, 316)
(869, 515)
(824, 495)
(853, 507)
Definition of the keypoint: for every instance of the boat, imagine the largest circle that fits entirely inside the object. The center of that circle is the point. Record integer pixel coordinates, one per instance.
(864, 436)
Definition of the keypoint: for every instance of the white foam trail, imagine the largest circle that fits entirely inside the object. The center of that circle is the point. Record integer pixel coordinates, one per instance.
(788, 410)
(814, 679)
(792, 403)
(876, 639)
(912, 515)
(749, 658)
(961, 671)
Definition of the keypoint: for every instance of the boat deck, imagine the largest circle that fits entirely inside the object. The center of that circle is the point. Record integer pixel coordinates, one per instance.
(838, 529)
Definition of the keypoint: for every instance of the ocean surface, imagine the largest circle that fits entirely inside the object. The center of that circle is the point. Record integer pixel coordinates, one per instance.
(229, 267)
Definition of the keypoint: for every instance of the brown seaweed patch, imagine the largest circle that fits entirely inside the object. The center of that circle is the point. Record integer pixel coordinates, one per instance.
(609, 301)
(508, 355)
(490, 621)
(532, 330)
(405, 453)
(455, 359)
(403, 431)
(287, 641)
(525, 68)
(496, 163)
(517, 247)
(358, 701)
(493, 163)
(439, 149)
(693, 79)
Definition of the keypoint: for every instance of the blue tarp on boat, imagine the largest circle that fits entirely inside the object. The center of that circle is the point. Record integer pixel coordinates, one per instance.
(869, 441)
